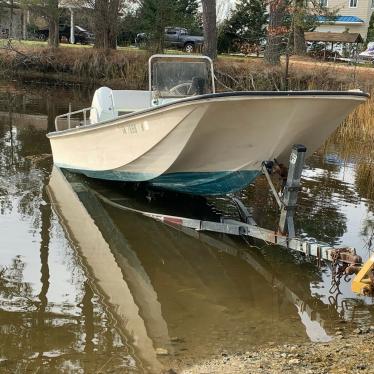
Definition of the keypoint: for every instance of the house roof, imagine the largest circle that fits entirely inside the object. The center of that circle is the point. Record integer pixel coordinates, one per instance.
(339, 19)
(335, 37)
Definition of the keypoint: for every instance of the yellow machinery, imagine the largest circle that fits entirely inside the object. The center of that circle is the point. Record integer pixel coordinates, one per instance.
(363, 282)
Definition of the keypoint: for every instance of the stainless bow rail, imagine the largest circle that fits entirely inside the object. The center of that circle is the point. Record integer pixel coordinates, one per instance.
(70, 114)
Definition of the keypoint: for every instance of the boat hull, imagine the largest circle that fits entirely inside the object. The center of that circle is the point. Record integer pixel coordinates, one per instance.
(209, 145)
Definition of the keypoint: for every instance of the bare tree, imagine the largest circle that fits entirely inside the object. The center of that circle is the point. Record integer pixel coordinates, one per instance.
(11, 6)
(106, 21)
(53, 16)
(299, 46)
(276, 31)
(49, 10)
(210, 28)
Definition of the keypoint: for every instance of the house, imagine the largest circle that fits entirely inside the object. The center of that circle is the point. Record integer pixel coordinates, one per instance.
(13, 22)
(352, 16)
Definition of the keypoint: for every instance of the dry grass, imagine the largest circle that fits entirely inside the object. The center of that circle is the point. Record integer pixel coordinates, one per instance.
(130, 67)
(254, 74)
(85, 65)
(359, 125)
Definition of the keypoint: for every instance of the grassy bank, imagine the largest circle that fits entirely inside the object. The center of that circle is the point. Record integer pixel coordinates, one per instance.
(127, 67)
(74, 65)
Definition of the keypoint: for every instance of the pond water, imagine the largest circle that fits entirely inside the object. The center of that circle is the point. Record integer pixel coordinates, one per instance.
(88, 287)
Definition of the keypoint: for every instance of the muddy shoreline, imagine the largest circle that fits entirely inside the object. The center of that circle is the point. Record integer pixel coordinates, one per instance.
(347, 352)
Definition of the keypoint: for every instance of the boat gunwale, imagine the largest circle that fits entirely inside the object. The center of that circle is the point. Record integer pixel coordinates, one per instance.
(208, 98)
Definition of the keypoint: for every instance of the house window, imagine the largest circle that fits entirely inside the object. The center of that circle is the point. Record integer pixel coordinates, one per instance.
(323, 3)
(372, 3)
(353, 3)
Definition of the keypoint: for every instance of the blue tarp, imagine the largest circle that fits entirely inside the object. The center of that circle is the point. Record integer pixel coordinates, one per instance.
(346, 19)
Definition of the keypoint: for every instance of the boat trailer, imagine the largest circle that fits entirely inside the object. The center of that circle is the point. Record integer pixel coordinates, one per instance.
(344, 260)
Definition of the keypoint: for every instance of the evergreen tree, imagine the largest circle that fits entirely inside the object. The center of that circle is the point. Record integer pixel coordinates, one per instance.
(187, 14)
(155, 15)
(246, 25)
(249, 19)
(370, 36)
(188, 8)
(50, 11)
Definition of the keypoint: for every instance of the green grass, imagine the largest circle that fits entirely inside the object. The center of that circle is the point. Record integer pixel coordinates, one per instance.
(39, 44)
(44, 44)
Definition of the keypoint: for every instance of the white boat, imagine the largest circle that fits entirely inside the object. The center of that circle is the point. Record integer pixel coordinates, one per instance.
(181, 135)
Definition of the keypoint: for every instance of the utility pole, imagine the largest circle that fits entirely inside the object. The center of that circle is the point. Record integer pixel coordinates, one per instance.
(72, 36)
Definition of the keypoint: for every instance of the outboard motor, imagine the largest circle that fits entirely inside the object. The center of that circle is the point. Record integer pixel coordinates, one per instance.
(103, 105)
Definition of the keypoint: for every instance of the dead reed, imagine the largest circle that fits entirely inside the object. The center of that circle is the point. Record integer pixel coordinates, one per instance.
(359, 125)
(88, 66)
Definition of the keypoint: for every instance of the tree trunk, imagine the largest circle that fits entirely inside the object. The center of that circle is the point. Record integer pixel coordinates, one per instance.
(298, 29)
(106, 23)
(100, 16)
(299, 41)
(53, 20)
(10, 35)
(275, 32)
(210, 28)
(54, 37)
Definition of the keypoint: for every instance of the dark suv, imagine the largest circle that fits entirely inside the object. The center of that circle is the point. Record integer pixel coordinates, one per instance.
(81, 35)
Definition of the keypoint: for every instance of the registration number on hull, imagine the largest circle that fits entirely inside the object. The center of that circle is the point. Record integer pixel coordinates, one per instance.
(135, 128)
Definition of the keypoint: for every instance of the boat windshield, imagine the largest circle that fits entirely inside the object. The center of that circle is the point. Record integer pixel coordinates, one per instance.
(178, 76)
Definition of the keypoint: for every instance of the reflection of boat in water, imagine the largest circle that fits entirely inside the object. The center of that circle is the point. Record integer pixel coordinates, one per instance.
(112, 276)
(181, 135)
(166, 285)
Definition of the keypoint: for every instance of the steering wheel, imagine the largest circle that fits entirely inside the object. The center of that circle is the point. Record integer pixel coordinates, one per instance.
(181, 89)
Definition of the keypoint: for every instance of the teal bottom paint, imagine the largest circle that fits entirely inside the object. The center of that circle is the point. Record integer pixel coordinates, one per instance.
(196, 183)
(214, 183)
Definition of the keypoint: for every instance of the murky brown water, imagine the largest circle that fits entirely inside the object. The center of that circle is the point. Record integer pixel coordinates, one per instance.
(88, 287)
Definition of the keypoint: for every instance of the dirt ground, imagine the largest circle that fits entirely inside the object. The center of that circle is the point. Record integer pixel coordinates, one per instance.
(351, 352)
